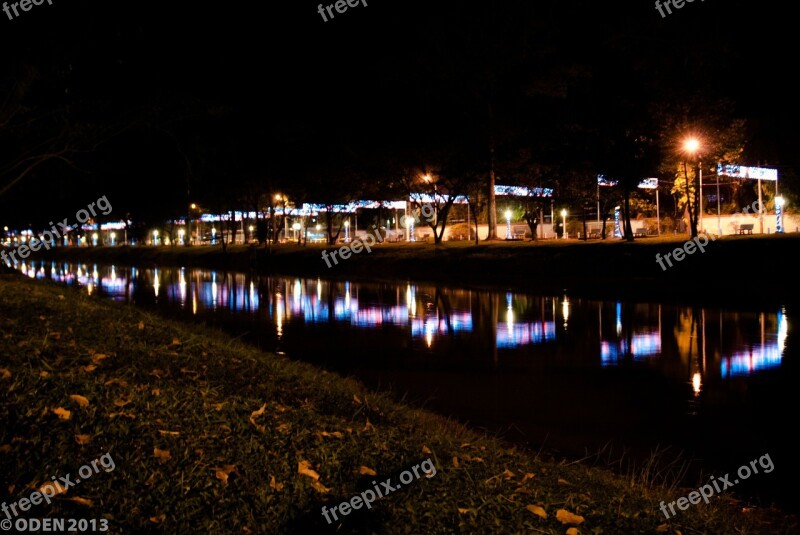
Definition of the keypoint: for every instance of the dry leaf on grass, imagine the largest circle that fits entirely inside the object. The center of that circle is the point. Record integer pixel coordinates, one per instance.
(141, 325)
(62, 413)
(663, 528)
(425, 449)
(304, 468)
(81, 501)
(455, 462)
(83, 439)
(572, 531)
(4, 373)
(52, 488)
(364, 471)
(162, 455)
(273, 484)
(537, 510)
(80, 400)
(334, 434)
(464, 511)
(158, 519)
(223, 473)
(565, 517)
(89, 368)
(319, 487)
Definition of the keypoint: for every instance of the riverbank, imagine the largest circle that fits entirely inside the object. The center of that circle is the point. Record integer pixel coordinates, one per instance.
(740, 269)
(210, 433)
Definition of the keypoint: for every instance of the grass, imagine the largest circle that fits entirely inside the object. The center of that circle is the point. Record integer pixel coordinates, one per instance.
(237, 422)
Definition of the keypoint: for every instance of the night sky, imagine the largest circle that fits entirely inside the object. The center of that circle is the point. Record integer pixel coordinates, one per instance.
(159, 106)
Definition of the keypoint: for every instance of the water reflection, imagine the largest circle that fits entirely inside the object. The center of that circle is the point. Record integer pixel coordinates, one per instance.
(705, 343)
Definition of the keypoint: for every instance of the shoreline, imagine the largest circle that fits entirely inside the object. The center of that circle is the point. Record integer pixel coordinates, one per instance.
(595, 270)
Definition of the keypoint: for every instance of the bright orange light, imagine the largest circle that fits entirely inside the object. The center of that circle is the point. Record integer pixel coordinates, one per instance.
(426, 177)
(691, 145)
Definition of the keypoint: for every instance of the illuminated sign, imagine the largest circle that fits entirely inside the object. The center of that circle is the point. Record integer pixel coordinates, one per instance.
(752, 173)
(649, 183)
(603, 181)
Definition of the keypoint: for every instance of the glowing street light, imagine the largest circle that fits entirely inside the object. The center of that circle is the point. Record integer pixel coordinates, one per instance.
(780, 202)
(94, 239)
(347, 231)
(408, 222)
(564, 222)
(508, 224)
(181, 234)
(296, 227)
(113, 238)
(155, 237)
(213, 236)
(692, 146)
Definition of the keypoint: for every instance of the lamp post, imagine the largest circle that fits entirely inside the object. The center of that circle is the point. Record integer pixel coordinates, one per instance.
(155, 238)
(181, 234)
(508, 224)
(564, 222)
(347, 231)
(113, 238)
(779, 203)
(692, 146)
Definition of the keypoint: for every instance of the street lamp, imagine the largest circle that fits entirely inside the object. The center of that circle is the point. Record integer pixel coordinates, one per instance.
(94, 239)
(564, 222)
(508, 224)
(347, 231)
(779, 204)
(213, 236)
(409, 224)
(113, 238)
(692, 146)
(155, 237)
(296, 227)
(181, 234)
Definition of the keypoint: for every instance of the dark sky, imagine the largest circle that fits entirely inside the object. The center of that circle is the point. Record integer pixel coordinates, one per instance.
(191, 95)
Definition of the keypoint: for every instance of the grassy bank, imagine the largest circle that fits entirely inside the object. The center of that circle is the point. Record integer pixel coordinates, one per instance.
(735, 269)
(209, 435)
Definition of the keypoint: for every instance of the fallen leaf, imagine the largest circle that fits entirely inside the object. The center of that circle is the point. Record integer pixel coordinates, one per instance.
(80, 400)
(572, 531)
(83, 439)
(89, 368)
(304, 467)
(319, 487)
(355, 398)
(158, 519)
(565, 517)
(334, 434)
(455, 462)
(425, 449)
(81, 501)
(98, 358)
(564, 482)
(55, 335)
(61, 297)
(273, 484)
(141, 325)
(121, 402)
(156, 392)
(62, 413)
(162, 455)
(368, 426)
(52, 488)
(4, 373)
(120, 382)
(528, 476)
(508, 474)
(176, 342)
(364, 471)
(44, 373)
(171, 433)
(463, 511)
(663, 528)
(537, 510)
(223, 473)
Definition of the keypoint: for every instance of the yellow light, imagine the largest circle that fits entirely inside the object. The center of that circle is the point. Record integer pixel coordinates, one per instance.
(691, 145)
(194, 206)
(347, 223)
(155, 234)
(508, 214)
(251, 228)
(278, 197)
(426, 177)
(696, 383)
(94, 236)
(563, 213)
(113, 235)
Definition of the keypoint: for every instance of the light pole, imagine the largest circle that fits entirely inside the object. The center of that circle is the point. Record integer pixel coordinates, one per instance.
(296, 227)
(113, 238)
(508, 224)
(155, 238)
(564, 222)
(347, 231)
(692, 146)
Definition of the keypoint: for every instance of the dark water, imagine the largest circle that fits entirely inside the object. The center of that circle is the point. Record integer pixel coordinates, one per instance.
(571, 375)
